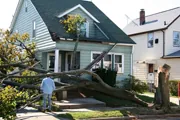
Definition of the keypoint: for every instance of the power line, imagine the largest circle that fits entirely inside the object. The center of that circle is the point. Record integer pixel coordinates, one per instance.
(130, 19)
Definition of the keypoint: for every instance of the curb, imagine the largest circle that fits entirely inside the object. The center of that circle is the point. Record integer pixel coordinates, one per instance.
(138, 117)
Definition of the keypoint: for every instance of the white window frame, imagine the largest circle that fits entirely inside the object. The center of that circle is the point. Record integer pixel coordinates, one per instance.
(16, 31)
(110, 53)
(34, 29)
(48, 56)
(122, 55)
(94, 52)
(178, 40)
(87, 29)
(150, 40)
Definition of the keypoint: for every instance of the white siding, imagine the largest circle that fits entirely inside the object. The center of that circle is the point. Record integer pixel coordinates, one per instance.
(169, 37)
(140, 71)
(142, 52)
(24, 24)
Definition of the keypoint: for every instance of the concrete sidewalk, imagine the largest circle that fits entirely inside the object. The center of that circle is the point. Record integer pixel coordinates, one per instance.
(30, 113)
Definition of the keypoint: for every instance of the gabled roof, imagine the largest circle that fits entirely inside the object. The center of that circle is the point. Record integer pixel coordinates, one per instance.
(157, 21)
(82, 8)
(49, 10)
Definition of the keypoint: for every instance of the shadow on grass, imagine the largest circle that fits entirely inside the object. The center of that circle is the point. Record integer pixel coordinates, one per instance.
(151, 99)
(67, 115)
(145, 98)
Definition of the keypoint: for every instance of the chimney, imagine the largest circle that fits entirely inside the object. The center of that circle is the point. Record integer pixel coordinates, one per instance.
(142, 17)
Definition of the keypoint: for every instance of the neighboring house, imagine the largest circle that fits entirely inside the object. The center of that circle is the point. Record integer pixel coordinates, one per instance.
(157, 38)
(41, 19)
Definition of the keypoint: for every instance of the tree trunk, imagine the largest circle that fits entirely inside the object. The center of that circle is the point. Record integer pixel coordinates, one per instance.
(74, 62)
(99, 58)
(164, 88)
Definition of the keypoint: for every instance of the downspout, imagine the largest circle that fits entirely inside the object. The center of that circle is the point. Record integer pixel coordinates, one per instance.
(132, 53)
(163, 43)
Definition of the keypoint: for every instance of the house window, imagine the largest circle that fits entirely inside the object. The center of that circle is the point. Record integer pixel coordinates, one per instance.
(94, 56)
(150, 40)
(118, 63)
(112, 60)
(16, 31)
(107, 61)
(26, 6)
(34, 29)
(176, 39)
(84, 29)
(51, 61)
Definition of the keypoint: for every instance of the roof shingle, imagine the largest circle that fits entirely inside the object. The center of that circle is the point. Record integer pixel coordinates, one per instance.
(50, 9)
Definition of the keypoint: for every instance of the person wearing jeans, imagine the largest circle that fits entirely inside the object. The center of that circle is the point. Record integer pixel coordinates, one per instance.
(47, 87)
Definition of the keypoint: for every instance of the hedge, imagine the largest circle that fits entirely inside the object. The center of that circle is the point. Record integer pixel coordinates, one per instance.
(108, 76)
(173, 87)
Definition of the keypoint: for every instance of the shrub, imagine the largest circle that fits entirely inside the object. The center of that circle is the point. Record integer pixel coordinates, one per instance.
(9, 97)
(108, 76)
(134, 85)
(173, 87)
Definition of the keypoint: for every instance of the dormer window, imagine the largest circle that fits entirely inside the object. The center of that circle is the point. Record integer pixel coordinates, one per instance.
(26, 6)
(84, 29)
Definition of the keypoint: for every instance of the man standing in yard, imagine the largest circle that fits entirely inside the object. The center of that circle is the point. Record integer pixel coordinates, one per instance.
(47, 87)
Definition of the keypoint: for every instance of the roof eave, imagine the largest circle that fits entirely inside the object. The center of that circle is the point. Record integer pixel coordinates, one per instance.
(170, 57)
(82, 8)
(160, 29)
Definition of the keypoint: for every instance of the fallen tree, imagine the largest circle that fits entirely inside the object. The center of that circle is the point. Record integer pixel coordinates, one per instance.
(81, 83)
(18, 67)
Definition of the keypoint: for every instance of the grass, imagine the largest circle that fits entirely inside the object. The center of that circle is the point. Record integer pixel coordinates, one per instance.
(93, 114)
(115, 113)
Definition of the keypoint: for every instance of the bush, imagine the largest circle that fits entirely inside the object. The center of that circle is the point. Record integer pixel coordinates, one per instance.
(173, 87)
(134, 85)
(108, 76)
(9, 97)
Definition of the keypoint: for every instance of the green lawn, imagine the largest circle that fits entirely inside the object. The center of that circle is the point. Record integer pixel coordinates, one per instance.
(93, 114)
(115, 113)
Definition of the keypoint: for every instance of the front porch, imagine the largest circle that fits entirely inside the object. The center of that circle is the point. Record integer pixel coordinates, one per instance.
(59, 61)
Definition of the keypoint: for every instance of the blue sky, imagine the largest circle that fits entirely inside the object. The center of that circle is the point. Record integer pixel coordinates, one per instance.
(114, 9)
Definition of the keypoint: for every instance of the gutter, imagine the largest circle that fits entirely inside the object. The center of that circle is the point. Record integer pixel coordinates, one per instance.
(163, 43)
(132, 55)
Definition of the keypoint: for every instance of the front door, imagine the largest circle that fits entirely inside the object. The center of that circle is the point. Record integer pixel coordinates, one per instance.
(68, 61)
(51, 62)
(150, 73)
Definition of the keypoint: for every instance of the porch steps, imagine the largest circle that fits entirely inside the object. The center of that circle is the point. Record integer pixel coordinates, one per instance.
(78, 103)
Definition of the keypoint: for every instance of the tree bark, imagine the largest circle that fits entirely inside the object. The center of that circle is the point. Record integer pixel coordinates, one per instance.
(74, 62)
(164, 88)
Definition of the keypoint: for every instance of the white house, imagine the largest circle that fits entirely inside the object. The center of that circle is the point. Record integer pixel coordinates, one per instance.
(157, 38)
